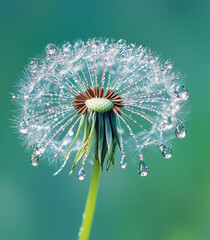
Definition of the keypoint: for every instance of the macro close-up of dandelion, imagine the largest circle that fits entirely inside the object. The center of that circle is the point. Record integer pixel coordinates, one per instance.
(95, 102)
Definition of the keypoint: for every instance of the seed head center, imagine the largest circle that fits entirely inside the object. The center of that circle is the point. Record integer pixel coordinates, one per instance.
(100, 105)
(96, 100)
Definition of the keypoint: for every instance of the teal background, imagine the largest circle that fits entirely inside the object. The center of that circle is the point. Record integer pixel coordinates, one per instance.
(173, 202)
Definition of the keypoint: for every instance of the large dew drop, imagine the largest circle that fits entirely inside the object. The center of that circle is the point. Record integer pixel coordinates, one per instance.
(34, 160)
(23, 127)
(81, 174)
(181, 92)
(166, 151)
(180, 131)
(51, 49)
(143, 169)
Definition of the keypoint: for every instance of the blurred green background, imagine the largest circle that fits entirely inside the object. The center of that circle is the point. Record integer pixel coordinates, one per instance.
(173, 202)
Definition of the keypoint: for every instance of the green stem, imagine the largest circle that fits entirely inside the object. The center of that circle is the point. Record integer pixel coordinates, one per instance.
(90, 203)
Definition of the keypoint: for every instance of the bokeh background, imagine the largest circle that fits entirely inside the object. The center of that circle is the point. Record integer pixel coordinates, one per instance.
(173, 202)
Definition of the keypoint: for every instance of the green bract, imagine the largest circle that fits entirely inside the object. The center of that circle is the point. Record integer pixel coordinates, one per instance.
(103, 127)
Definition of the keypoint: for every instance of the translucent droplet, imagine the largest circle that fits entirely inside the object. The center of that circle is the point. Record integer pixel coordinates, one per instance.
(140, 50)
(81, 174)
(33, 65)
(143, 169)
(123, 163)
(166, 151)
(61, 68)
(80, 44)
(13, 95)
(167, 123)
(121, 42)
(130, 47)
(181, 92)
(71, 133)
(34, 160)
(180, 131)
(168, 64)
(51, 49)
(23, 127)
(66, 47)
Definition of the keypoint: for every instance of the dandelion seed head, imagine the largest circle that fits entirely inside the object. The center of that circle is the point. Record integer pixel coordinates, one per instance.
(123, 88)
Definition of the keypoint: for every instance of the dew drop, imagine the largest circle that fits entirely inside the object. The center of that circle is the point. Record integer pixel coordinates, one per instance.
(123, 163)
(13, 95)
(168, 64)
(143, 169)
(34, 160)
(181, 92)
(81, 174)
(61, 68)
(140, 49)
(71, 133)
(121, 42)
(51, 49)
(66, 47)
(32, 66)
(23, 127)
(180, 131)
(168, 123)
(166, 151)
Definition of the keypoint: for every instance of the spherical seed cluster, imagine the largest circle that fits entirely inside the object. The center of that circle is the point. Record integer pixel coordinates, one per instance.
(148, 97)
(100, 105)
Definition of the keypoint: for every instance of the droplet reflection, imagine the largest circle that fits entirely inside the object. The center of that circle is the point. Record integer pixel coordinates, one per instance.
(123, 163)
(143, 169)
(180, 131)
(181, 92)
(166, 151)
(34, 160)
(81, 174)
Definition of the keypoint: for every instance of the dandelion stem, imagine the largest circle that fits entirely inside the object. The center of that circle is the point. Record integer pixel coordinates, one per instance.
(90, 203)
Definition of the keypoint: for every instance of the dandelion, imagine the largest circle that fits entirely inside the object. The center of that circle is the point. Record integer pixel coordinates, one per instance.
(112, 95)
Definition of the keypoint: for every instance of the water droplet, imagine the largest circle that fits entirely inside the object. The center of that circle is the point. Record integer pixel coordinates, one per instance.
(130, 47)
(71, 133)
(167, 123)
(51, 49)
(23, 127)
(13, 95)
(34, 160)
(180, 131)
(140, 50)
(166, 151)
(123, 163)
(121, 42)
(33, 65)
(80, 44)
(81, 174)
(168, 64)
(181, 92)
(143, 169)
(61, 68)
(66, 47)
